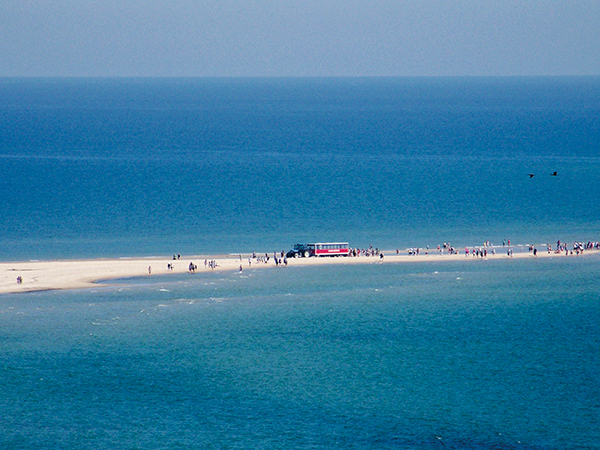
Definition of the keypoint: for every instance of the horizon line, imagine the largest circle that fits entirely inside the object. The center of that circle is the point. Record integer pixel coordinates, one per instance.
(289, 76)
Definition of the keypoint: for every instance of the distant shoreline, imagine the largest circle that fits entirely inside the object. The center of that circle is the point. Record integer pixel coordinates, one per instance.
(39, 276)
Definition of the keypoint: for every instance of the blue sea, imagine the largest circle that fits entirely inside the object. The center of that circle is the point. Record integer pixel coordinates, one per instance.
(473, 354)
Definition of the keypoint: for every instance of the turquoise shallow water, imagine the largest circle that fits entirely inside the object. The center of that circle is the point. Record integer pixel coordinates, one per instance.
(453, 355)
(465, 355)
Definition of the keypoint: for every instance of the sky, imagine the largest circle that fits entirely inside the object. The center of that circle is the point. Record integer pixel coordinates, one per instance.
(237, 38)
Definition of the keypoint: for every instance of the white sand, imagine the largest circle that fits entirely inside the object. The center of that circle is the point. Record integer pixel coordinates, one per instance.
(81, 274)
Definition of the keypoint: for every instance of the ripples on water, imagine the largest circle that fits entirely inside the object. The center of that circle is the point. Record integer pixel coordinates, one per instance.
(465, 355)
(461, 355)
(120, 167)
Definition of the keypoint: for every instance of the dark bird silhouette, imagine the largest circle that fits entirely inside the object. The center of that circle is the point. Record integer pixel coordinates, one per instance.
(531, 175)
(554, 174)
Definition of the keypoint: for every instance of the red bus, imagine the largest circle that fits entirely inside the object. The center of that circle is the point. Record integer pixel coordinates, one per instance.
(328, 249)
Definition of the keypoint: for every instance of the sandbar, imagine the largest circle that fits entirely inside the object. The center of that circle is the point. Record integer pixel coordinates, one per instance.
(83, 274)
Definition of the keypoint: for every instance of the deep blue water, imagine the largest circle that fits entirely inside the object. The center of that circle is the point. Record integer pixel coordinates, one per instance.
(113, 167)
(451, 355)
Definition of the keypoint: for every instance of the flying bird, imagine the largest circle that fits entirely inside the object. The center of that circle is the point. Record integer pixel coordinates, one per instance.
(531, 175)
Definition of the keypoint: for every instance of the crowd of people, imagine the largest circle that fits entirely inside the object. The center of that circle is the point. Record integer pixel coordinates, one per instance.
(577, 248)
(487, 248)
(212, 264)
(281, 259)
(370, 251)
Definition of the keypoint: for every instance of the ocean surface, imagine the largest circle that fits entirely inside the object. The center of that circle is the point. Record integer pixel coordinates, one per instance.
(472, 354)
(122, 167)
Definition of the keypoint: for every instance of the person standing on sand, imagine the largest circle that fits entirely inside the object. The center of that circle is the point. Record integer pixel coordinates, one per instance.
(149, 270)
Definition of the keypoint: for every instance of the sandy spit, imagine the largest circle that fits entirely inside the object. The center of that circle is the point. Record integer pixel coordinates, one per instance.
(82, 274)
